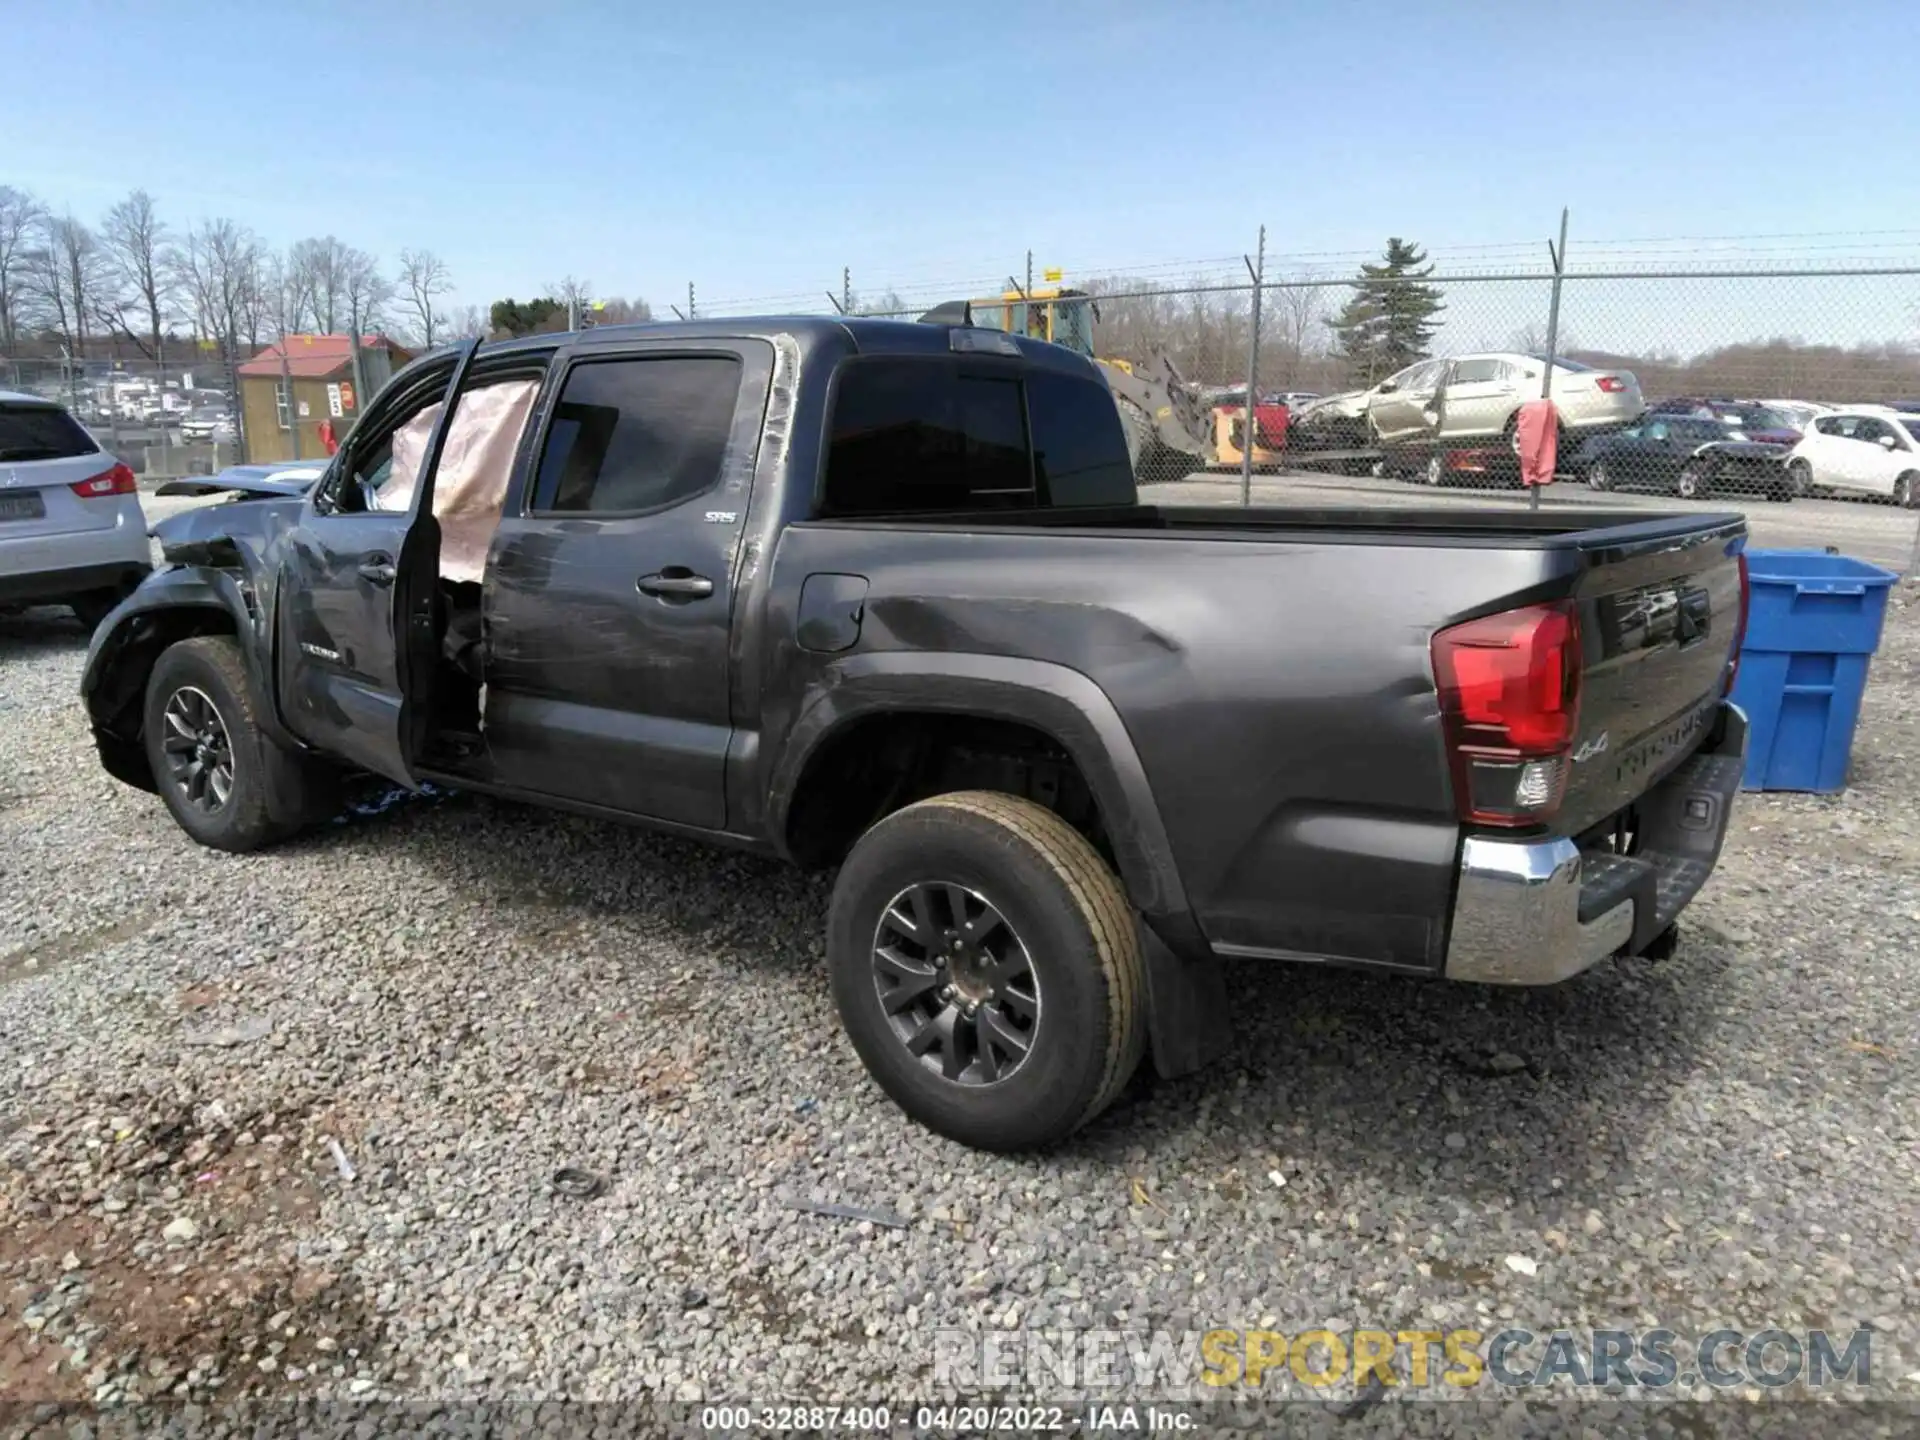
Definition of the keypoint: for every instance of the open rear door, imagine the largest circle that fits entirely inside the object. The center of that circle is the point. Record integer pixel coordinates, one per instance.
(359, 592)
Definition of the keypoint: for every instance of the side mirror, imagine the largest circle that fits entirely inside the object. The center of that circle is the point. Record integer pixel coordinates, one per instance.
(1887, 442)
(1388, 386)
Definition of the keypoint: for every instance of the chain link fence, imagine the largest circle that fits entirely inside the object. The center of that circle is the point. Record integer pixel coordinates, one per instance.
(1791, 395)
(166, 418)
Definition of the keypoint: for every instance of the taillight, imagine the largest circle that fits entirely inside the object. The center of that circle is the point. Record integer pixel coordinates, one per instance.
(117, 481)
(1612, 384)
(1510, 703)
(1739, 627)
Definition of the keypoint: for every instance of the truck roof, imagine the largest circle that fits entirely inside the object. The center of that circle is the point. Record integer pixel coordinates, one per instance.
(867, 337)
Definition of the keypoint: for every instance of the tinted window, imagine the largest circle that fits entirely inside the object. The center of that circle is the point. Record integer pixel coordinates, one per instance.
(1079, 449)
(41, 432)
(637, 434)
(1872, 430)
(1699, 430)
(919, 435)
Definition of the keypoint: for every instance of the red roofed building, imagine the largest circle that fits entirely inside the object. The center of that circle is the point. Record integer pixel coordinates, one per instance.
(286, 426)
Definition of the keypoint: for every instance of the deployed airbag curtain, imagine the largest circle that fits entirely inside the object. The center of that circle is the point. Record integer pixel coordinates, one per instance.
(471, 485)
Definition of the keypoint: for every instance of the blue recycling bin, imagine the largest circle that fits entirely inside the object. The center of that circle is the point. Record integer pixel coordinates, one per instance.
(1813, 622)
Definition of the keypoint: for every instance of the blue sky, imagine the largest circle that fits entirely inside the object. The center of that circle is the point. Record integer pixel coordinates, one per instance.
(755, 148)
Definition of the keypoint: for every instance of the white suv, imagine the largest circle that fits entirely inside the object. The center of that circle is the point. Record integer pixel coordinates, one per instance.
(71, 527)
(1867, 452)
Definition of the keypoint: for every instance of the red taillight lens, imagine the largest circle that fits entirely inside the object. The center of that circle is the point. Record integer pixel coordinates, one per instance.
(1740, 627)
(1510, 701)
(117, 481)
(1612, 384)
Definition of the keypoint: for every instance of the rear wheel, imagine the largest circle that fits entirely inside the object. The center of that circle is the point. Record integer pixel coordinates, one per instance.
(1436, 471)
(1800, 477)
(1597, 477)
(987, 968)
(1906, 492)
(1692, 484)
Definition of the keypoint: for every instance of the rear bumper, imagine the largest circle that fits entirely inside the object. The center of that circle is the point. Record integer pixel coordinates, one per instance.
(1534, 912)
(71, 580)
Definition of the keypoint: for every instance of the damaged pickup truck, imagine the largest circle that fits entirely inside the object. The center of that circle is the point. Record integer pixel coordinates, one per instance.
(880, 596)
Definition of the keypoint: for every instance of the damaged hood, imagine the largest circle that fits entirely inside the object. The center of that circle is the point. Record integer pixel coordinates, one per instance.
(221, 534)
(246, 481)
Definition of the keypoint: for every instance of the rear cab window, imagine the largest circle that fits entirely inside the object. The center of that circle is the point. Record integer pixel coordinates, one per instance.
(41, 432)
(925, 435)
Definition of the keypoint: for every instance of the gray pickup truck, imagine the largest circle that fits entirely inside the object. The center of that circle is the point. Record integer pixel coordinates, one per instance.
(881, 597)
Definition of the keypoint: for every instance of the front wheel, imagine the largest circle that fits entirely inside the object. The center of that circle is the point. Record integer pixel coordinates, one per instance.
(1800, 477)
(1906, 492)
(224, 779)
(1692, 484)
(1436, 471)
(987, 968)
(1597, 477)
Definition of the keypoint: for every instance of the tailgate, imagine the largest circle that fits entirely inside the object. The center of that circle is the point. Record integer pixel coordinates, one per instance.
(1659, 621)
(43, 454)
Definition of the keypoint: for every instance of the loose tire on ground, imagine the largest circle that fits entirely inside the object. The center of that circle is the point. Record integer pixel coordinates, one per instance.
(271, 793)
(1066, 910)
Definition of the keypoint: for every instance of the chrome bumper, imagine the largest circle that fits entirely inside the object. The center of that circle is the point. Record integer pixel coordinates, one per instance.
(1517, 910)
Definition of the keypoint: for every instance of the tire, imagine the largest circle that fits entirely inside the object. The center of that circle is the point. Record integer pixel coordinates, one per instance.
(1800, 477)
(1068, 952)
(1906, 492)
(1691, 484)
(269, 793)
(1597, 477)
(94, 606)
(1435, 473)
(1162, 464)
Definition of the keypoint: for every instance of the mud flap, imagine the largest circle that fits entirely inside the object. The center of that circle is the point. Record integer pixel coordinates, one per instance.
(1188, 1023)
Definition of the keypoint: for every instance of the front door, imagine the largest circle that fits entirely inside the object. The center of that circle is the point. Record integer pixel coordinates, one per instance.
(1400, 413)
(357, 589)
(610, 585)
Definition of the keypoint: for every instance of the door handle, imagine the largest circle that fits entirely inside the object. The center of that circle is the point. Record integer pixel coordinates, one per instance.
(379, 570)
(676, 582)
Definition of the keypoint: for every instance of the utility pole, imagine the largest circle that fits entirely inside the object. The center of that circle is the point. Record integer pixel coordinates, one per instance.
(1559, 255)
(692, 309)
(1027, 294)
(286, 389)
(1257, 269)
(846, 290)
(573, 312)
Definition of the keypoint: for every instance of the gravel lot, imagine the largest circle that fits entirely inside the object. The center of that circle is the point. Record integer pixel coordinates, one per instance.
(466, 996)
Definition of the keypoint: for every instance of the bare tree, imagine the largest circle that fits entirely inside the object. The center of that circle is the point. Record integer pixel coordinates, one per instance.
(619, 311)
(1299, 312)
(317, 270)
(461, 322)
(63, 273)
(217, 269)
(364, 291)
(134, 249)
(423, 275)
(570, 292)
(19, 215)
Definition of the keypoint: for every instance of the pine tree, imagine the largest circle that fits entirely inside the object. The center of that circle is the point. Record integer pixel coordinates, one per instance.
(1389, 322)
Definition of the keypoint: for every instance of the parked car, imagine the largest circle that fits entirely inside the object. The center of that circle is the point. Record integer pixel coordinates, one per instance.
(1863, 452)
(71, 528)
(1477, 398)
(1753, 420)
(1330, 422)
(943, 650)
(1687, 456)
(1798, 413)
(206, 425)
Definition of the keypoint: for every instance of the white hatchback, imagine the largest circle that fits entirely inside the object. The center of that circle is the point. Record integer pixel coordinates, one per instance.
(1866, 452)
(71, 528)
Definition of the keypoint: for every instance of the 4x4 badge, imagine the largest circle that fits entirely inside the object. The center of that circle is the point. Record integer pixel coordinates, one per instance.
(1593, 747)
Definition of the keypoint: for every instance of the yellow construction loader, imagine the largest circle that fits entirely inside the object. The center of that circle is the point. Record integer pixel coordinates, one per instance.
(1169, 428)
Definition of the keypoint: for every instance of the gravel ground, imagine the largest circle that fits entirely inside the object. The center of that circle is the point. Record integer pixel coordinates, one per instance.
(465, 996)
